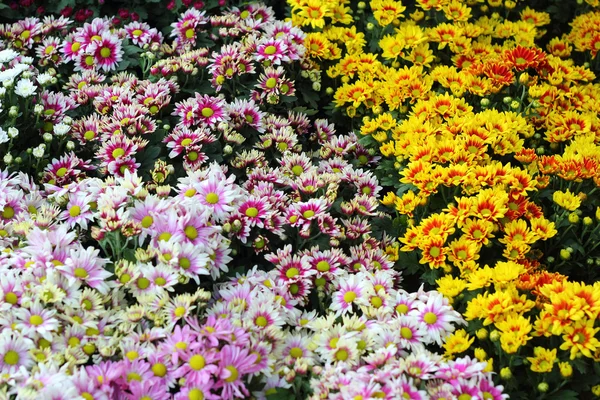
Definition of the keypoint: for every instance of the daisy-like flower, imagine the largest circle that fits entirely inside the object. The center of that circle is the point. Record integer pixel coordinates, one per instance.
(85, 265)
(234, 364)
(107, 52)
(351, 290)
(25, 88)
(192, 261)
(209, 110)
(255, 210)
(273, 50)
(438, 317)
(36, 320)
(217, 193)
(411, 333)
(78, 211)
(14, 352)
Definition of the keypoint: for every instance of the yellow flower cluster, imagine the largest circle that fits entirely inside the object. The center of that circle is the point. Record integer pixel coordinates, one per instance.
(452, 105)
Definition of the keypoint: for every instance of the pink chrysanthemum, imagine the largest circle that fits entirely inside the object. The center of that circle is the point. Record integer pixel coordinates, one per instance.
(235, 363)
(107, 52)
(438, 317)
(14, 352)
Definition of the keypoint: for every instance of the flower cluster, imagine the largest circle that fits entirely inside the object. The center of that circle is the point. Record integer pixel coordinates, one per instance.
(489, 146)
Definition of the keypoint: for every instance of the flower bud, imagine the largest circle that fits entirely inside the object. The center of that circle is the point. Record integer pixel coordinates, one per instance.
(362, 5)
(494, 336)
(566, 370)
(70, 145)
(505, 373)
(573, 218)
(47, 137)
(370, 26)
(485, 102)
(543, 387)
(13, 112)
(515, 105)
(8, 158)
(507, 100)
(227, 149)
(482, 334)
(565, 254)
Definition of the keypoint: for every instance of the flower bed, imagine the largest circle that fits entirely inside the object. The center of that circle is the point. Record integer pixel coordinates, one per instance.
(232, 205)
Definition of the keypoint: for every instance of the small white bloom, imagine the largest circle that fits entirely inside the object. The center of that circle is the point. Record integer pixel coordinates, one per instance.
(25, 88)
(38, 109)
(61, 129)
(70, 145)
(38, 152)
(12, 73)
(67, 120)
(47, 137)
(3, 136)
(27, 60)
(44, 79)
(7, 55)
(13, 132)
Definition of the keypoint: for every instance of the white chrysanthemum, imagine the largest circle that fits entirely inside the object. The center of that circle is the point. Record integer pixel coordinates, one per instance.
(3, 136)
(7, 55)
(61, 129)
(25, 88)
(13, 132)
(10, 74)
(44, 78)
(38, 152)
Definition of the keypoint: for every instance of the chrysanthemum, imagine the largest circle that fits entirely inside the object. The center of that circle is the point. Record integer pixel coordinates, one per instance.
(107, 52)
(273, 50)
(411, 333)
(14, 352)
(191, 261)
(86, 265)
(36, 320)
(350, 290)
(438, 317)
(234, 364)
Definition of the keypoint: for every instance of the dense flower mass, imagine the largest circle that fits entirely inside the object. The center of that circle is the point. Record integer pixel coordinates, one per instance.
(345, 200)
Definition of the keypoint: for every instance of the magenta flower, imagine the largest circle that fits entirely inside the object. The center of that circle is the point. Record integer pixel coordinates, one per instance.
(85, 265)
(234, 364)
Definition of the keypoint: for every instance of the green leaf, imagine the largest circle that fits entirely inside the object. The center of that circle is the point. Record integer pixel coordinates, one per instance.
(281, 394)
(563, 395)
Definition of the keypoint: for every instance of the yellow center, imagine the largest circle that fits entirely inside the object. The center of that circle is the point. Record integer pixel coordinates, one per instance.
(207, 112)
(36, 320)
(11, 298)
(323, 266)
(260, 321)
(296, 352)
(80, 273)
(191, 232)
(271, 83)
(349, 297)
(308, 214)
(11, 357)
(292, 272)
(252, 212)
(197, 362)
(105, 52)
(233, 373)
(270, 50)
(159, 369)
(406, 333)
(75, 211)
(341, 355)
(212, 198)
(147, 221)
(430, 318)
